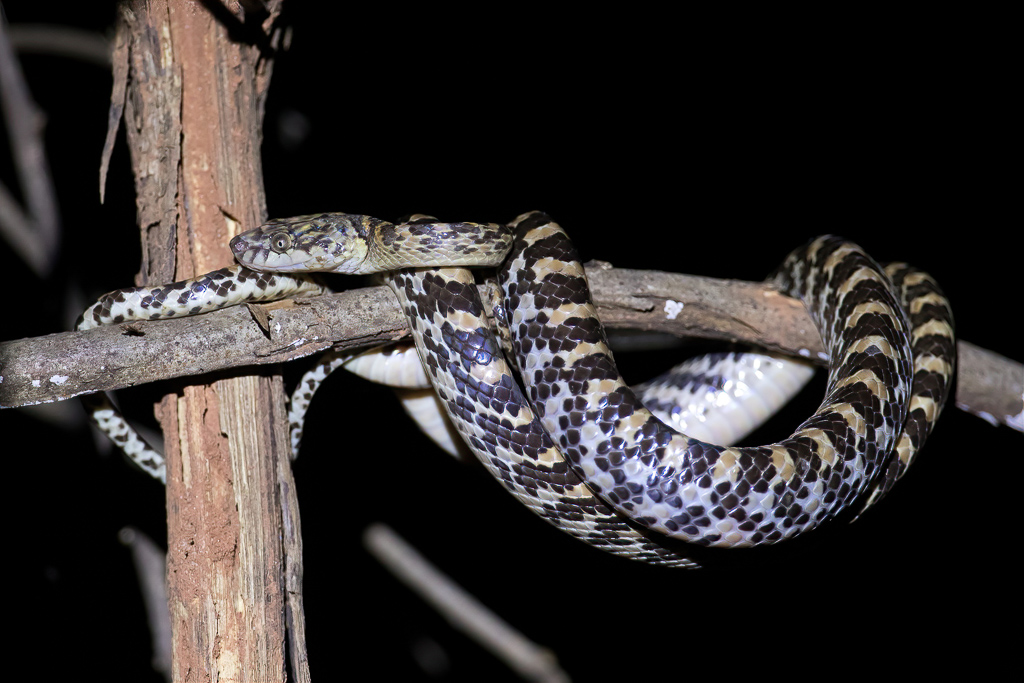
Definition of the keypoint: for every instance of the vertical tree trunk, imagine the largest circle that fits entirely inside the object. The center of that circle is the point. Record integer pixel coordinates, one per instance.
(194, 111)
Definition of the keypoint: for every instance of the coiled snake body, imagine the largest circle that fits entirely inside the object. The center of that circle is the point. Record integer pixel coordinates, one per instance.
(593, 461)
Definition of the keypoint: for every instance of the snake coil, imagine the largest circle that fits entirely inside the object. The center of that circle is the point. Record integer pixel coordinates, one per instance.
(582, 451)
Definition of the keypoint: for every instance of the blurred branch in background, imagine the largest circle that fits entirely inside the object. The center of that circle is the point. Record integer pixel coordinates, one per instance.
(33, 231)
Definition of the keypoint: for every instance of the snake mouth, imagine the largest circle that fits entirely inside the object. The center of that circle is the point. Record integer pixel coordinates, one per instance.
(247, 253)
(238, 245)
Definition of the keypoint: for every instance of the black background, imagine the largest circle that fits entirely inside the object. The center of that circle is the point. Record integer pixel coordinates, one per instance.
(705, 145)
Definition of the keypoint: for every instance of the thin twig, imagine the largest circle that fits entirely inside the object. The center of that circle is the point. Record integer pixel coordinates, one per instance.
(34, 233)
(151, 568)
(291, 539)
(462, 610)
(61, 41)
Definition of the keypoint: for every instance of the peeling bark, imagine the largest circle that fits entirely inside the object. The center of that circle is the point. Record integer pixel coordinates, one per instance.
(193, 111)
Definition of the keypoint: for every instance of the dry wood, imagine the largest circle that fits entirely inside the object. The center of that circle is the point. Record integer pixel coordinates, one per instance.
(193, 108)
(60, 366)
(530, 661)
(32, 231)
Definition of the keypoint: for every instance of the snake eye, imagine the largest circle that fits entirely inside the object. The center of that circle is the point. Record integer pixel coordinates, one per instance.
(281, 242)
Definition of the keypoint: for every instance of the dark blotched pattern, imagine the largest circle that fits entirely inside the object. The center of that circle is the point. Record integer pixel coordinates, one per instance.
(691, 490)
(648, 479)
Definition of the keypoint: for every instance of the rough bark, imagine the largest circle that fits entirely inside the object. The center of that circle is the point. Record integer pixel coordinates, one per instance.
(193, 112)
(60, 366)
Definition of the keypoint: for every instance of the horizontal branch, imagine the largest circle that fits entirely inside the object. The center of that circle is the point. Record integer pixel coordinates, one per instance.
(59, 366)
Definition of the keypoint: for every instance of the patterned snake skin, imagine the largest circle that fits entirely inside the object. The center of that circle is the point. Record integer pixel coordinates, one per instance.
(649, 478)
(720, 397)
(733, 497)
(212, 291)
(652, 483)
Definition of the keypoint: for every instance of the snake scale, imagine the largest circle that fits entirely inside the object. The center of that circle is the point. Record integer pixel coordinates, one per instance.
(578, 447)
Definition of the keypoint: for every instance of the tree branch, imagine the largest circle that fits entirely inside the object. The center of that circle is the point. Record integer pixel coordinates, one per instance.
(61, 366)
(35, 232)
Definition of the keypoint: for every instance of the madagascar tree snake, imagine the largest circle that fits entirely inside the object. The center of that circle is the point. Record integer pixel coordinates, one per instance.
(577, 446)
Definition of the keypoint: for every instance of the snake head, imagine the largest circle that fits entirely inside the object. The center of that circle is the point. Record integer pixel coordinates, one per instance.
(325, 242)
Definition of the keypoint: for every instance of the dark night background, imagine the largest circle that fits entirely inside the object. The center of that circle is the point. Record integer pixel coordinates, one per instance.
(714, 146)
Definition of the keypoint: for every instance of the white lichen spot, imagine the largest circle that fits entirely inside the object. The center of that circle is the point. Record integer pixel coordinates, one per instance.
(59, 379)
(1013, 421)
(672, 309)
(987, 417)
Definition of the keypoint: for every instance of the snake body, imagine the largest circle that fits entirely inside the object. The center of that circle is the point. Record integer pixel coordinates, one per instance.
(593, 461)
(699, 492)
(651, 476)
(208, 292)
(720, 397)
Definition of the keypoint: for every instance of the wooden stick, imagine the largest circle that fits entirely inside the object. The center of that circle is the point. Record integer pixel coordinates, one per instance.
(193, 112)
(529, 660)
(60, 366)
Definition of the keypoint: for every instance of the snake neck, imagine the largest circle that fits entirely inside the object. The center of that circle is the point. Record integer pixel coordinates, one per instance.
(436, 245)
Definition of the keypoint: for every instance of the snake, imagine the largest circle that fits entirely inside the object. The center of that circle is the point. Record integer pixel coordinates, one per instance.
(720, 396)
(208, 292)
(575, 444)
